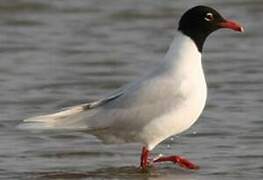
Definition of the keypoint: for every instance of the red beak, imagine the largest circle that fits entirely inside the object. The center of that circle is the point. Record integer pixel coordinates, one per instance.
(231, 25)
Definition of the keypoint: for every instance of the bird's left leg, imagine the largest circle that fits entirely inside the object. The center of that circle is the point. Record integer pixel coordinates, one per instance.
(181, 161)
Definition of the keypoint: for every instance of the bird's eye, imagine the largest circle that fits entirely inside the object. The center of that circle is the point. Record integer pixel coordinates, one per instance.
(209, 17)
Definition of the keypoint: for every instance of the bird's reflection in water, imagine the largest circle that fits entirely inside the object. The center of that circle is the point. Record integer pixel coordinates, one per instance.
(128, 172)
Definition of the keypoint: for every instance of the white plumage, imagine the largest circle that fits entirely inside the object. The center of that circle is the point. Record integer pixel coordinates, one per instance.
(161, 104)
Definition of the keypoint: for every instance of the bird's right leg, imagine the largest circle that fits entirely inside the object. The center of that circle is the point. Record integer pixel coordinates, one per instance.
(145, 158)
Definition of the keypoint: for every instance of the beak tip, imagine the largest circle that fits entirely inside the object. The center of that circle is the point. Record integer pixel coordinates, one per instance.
(231, 25)
(242, 29)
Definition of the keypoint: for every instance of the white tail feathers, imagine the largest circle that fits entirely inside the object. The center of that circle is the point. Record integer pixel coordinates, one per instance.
(56, 120)
(72, 118)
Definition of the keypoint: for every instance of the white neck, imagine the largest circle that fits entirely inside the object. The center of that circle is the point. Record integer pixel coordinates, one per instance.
(183, 56)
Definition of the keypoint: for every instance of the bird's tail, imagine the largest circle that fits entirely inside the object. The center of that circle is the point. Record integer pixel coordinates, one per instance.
(61, 120)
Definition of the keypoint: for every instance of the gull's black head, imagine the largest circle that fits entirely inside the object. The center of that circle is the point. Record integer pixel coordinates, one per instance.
(200, 21)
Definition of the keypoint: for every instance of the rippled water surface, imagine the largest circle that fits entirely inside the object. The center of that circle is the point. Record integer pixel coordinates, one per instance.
(60, 53)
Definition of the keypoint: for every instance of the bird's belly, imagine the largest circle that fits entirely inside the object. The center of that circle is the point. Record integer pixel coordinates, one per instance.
(180, 118)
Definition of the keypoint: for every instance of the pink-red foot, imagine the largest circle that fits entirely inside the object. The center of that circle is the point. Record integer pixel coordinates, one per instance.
(181, 161)
(178, 160)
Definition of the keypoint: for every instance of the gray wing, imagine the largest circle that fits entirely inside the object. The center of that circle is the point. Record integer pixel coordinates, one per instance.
(95, 104)
(118, 93)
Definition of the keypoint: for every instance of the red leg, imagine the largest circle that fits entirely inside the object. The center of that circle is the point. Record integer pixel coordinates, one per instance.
(144, 158)
(178, 160)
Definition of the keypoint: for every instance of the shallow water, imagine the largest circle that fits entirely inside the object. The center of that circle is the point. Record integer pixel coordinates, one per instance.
(60, 53)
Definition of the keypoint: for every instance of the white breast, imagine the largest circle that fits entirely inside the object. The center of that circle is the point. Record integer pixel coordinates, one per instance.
(183, 64)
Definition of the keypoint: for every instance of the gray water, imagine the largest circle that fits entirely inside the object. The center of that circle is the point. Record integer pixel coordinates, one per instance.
(56, 54)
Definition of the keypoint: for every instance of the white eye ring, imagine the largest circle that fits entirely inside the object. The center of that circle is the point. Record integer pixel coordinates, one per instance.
(209, 17)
